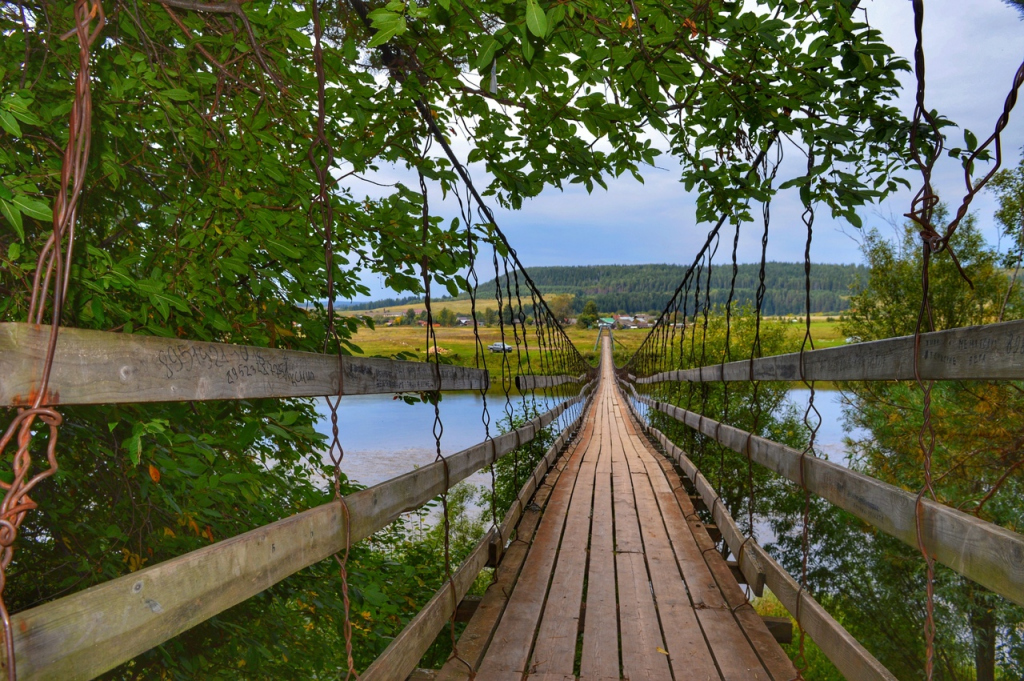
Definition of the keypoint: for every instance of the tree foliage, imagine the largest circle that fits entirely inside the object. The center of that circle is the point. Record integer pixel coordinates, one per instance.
(197, 221)
(873, 582)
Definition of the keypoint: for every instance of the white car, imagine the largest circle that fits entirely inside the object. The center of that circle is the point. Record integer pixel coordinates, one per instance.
(499, 347)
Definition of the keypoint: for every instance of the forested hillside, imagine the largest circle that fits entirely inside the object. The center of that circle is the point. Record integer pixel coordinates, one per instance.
(640, 288)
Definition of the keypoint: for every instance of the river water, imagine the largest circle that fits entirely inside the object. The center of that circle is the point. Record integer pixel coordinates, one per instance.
(384, 437)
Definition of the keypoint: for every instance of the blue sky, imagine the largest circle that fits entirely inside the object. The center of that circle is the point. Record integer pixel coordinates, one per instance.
(973, 49)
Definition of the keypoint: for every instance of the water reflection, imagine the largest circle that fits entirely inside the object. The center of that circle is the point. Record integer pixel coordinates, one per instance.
(829, 440)
(384, 437)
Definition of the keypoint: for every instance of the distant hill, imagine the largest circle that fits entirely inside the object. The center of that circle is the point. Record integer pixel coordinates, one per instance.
(642, 288)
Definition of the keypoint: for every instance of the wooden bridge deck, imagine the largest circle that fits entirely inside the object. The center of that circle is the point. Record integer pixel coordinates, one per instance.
(613, 576)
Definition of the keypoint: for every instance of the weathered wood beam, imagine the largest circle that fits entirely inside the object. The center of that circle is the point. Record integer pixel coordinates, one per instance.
(532, 382)
(988, 554)
(992, 352)
(404, 652)
(845, 652)
(467, 606)
(748, 564)
(86, 634)
(402, 655)
(98, 367)
(781, 628)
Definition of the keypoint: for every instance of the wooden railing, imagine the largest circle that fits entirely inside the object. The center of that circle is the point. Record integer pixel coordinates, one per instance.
(399, 659)
(86, 634)
(532, 382)
(988, 554)
(100, 367)
(984, 552)
(981, 353)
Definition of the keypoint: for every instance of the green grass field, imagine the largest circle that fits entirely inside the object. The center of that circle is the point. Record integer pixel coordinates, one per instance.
(456, 345)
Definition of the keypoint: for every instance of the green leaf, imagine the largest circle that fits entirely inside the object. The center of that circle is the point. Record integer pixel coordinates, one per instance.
(383, 36)
(8, 123)
(287, 250)
(487, 55)
(970, 139)
(13, 216)
(177, 95)
(14, 251)
(528, 50)
(300, 38)
(34, 208)
(134, 447)
(536, 20)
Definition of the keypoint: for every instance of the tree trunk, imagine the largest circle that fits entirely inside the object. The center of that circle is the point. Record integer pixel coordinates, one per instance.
(983, 628)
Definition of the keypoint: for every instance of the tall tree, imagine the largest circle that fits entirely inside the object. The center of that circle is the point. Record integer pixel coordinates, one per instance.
(976, 463)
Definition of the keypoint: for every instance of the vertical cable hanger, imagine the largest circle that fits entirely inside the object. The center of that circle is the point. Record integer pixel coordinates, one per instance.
(321, 157)
(808, 219)
(53, 269)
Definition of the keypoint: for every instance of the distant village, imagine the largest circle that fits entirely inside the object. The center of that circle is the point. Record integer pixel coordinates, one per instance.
(446, 317)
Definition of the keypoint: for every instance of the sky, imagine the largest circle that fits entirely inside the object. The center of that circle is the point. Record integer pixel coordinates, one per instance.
(973, 49)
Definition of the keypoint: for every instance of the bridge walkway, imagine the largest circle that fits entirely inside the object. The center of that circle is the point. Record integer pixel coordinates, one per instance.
(620, 578)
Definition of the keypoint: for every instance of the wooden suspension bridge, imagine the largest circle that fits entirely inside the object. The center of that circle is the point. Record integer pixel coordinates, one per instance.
(606, 566)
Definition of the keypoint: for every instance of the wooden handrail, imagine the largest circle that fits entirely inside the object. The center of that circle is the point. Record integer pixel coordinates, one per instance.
(100, 367)
(88, 633)
(532, 382)
(988, 554)
(985, 353)
(402, 655)
(852, 659)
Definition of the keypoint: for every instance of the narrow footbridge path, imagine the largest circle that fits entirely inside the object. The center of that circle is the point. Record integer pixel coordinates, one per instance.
(612, 575)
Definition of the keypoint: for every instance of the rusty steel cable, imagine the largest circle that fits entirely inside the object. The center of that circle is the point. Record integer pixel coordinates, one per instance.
(321, 146)
(807, 217)
(922, 208)
(922, 211)
(53, 268)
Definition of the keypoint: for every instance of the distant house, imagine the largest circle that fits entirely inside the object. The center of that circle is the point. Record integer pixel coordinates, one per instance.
(463, 320)
(607, 321)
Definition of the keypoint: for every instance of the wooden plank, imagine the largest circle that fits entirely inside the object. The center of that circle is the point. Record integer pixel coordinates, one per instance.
(510, 646)
(531, 382)
(776, 664)
(689, 654)
(716, 624)
(600, 656)
(748, 564)
(743, 649)
(423, 675)
(477, 635)
(638, 615)
(555, 650)
(992, 352)
(100, 367)
(781, 628)
(405, 651)
(85, 634)
(849, 656)
(981, 551)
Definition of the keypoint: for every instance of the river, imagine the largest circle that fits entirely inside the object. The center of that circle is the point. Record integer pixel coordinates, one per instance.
(384, 437)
